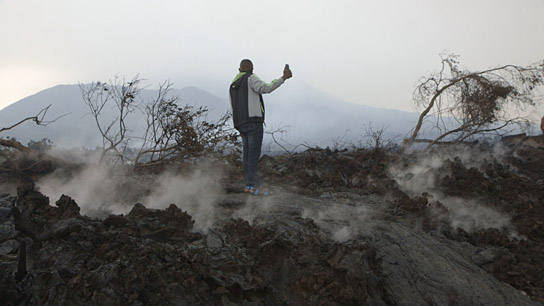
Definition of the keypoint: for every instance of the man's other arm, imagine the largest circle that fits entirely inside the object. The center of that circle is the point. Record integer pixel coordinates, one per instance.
(261, 87)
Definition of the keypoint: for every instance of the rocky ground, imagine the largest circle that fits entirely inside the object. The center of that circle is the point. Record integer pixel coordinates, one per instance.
(459, 225)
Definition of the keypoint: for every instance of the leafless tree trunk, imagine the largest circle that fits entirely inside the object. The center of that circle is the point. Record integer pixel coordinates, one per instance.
(12, 143)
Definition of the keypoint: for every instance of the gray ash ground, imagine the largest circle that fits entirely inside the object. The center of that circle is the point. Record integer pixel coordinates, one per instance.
(345, 230)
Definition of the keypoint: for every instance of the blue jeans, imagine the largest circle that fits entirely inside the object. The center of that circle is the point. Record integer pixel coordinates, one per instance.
(252, 140)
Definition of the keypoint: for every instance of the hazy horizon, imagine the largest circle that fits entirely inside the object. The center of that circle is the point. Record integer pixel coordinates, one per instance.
(363, 52)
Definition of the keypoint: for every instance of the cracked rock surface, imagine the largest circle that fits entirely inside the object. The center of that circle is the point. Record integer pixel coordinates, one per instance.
(350, 228)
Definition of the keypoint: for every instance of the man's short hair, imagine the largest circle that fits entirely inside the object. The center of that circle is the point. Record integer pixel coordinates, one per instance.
(246, 65)
(246, 62)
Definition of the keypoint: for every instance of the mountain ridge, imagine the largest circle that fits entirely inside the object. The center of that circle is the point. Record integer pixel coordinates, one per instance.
(307, 114)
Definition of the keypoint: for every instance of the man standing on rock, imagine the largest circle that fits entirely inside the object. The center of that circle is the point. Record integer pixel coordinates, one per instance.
(248, 115)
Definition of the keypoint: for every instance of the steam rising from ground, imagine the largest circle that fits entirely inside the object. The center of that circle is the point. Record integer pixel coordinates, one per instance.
(342, 220)
(254, 207)
(197, 194)
(95, 190)
(99, 192)
(464, 213)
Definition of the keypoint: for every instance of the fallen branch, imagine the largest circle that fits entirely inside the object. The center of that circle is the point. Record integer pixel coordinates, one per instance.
(12, 143)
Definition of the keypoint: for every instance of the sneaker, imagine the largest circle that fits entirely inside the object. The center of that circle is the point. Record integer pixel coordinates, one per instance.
(261, 192)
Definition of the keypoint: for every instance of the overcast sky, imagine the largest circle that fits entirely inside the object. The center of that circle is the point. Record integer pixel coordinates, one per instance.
(366, 52)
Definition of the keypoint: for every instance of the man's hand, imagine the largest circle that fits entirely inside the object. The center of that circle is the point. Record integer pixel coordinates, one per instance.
(287, 74)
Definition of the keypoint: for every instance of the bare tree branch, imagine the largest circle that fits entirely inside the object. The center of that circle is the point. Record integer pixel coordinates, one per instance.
(464, 104)
(374, 135)
(38, 119)
(170, 132)
(282, 130)
(122, 95)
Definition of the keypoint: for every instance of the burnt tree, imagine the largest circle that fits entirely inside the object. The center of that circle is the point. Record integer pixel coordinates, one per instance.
(462, 104)
(171, 132)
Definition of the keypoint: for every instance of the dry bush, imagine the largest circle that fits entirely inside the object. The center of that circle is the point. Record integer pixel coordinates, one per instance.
(462, 104)
(172, 133)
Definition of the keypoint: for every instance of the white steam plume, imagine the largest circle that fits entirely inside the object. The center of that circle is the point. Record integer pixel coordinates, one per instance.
(99, 193)
(255, 207)
(198, 194)
(96, 191)
(467, 214)
(341, 220)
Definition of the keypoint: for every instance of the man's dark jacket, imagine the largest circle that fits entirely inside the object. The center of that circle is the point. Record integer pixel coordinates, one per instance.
(246, 97)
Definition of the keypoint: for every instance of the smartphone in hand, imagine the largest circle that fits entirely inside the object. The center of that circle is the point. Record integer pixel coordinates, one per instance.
(286, 66)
